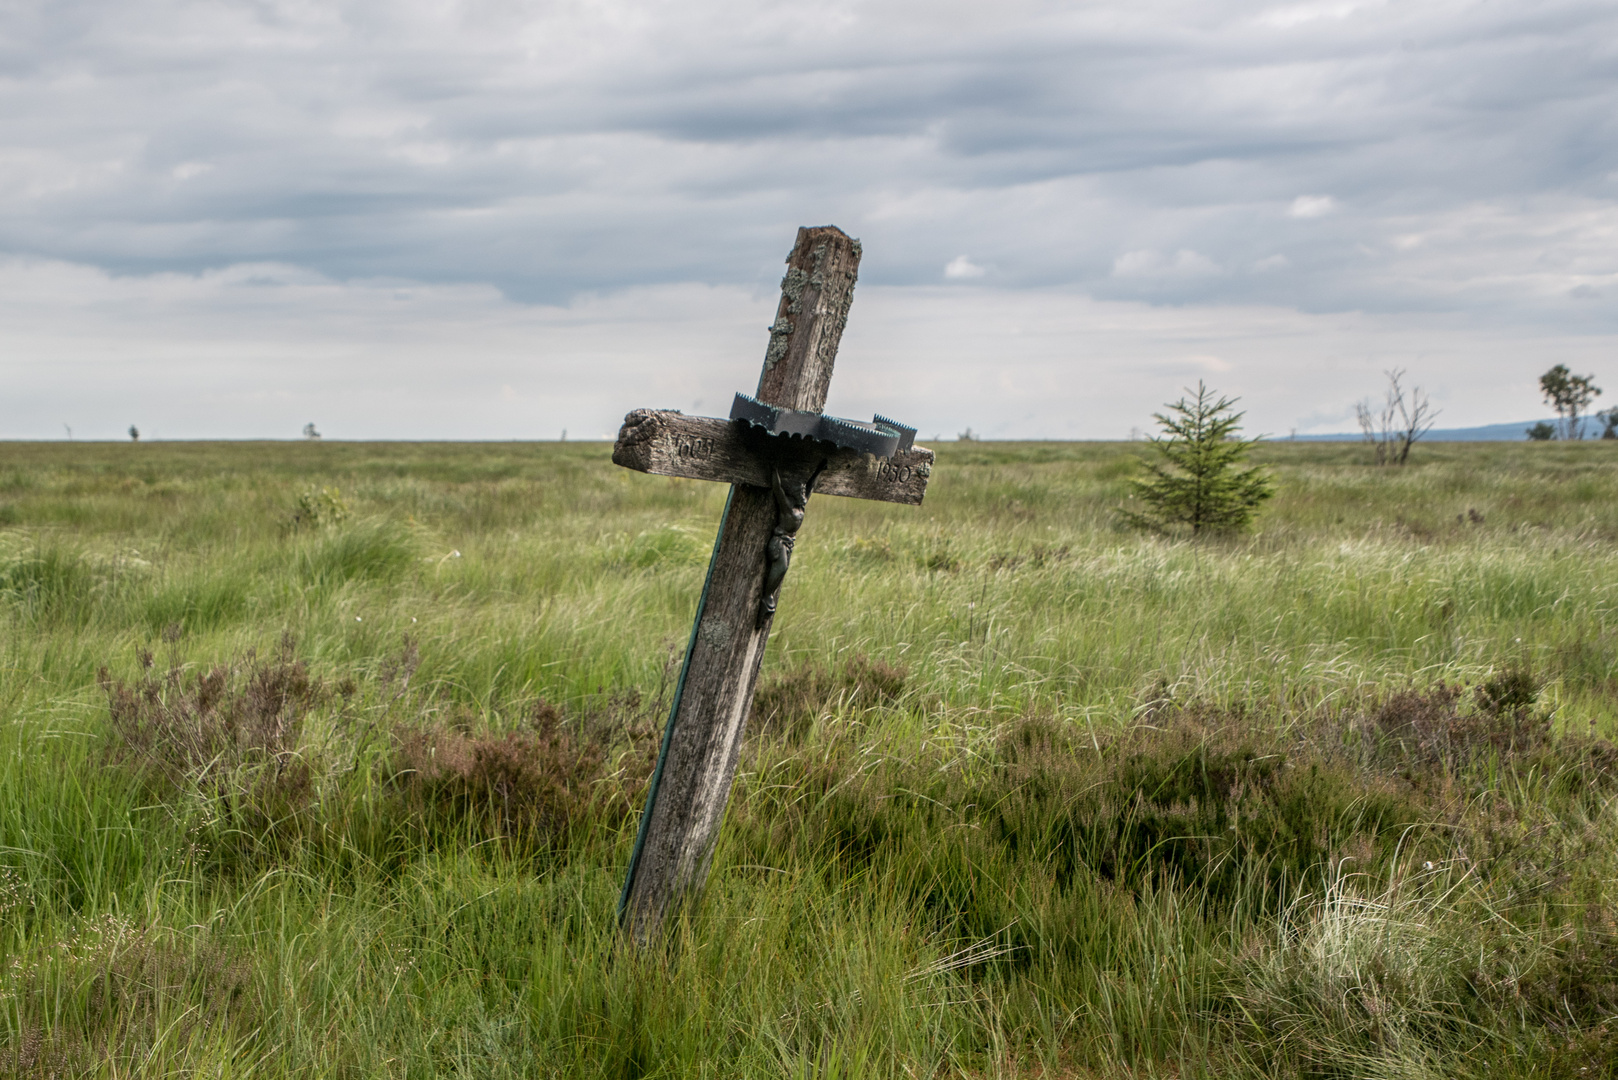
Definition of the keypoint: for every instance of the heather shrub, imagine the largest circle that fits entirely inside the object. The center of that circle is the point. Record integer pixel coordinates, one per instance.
(226, 737)
(533, 786)
(202, 727)
(104, 995)
(788, 703)
(1446, 725)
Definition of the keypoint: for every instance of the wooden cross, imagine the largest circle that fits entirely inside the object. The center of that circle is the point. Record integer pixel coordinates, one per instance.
(771, 471)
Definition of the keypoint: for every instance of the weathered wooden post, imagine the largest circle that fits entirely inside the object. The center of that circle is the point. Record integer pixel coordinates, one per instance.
(774, 450)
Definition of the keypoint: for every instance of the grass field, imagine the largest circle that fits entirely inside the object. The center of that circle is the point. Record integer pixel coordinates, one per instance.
(1024, 794)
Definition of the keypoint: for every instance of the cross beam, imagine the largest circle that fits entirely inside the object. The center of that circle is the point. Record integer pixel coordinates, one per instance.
(772, 473)
(707, 448)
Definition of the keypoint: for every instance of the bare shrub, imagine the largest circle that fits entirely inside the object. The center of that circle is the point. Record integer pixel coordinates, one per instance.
(1393, 427)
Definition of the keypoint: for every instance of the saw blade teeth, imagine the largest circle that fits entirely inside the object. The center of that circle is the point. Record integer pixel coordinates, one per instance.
(842, 429)
(882, 438)
(755, 412)
(907, 434)
(857, 436)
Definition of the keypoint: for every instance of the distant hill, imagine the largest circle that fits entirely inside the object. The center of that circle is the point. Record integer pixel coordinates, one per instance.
(1488, 433)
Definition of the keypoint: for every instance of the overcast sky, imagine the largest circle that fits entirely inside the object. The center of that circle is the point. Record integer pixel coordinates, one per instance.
(494, 219)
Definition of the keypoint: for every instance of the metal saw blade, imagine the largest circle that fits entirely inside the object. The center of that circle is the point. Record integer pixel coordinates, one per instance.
(882, 437)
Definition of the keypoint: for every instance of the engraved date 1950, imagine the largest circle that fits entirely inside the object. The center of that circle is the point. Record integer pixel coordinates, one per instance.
(894, 472)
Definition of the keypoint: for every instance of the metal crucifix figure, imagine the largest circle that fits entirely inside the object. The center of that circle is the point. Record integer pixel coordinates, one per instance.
(789, 510)
(776, 449)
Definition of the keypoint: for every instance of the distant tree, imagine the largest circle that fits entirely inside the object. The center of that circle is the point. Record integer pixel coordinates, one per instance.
(1542, 432)
(1609, 422)
(134, 433)
(1403, 417)
(1569, 395)
(309, 431)
(967, 436)
(1195, 482)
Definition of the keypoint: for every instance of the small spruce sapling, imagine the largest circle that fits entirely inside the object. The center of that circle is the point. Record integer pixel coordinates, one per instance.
(1195, 481)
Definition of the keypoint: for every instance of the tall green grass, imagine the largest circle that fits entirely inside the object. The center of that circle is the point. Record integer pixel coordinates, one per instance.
(1030, 795)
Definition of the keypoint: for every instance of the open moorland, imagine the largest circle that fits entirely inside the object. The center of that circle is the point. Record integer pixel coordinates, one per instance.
(326, 760)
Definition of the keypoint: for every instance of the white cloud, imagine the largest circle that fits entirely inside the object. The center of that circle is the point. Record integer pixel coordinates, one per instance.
(962, 268)
(1152, 264)
(1311, 206)
(1299, 14)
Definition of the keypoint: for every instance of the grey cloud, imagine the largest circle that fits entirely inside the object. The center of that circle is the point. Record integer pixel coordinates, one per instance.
(550, 149)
